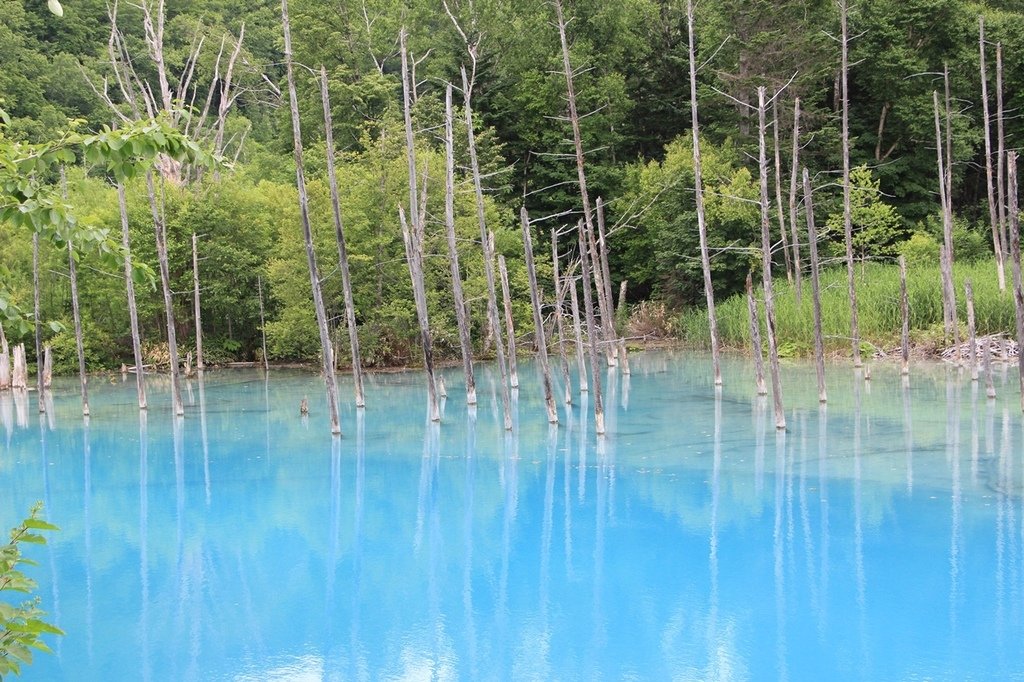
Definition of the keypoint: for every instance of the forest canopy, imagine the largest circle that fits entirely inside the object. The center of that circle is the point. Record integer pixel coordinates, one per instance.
(218, 80)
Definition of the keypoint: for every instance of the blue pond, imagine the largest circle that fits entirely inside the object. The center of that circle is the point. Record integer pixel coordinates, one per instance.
(880, 538)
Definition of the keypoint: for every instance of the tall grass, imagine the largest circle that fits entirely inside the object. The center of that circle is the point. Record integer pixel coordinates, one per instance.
(878, 307)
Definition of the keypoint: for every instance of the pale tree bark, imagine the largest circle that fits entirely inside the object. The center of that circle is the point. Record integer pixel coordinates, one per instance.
(327, 352)
(5, 362)
(755, 338)
(513, 364)
(698, 186)
(263, 323)
(993, 211)
(588, 219)
(1018, 286)
(592, 333)
(165, 281)
(79, 341)
(950, 255)
(766, 255)
(946, 270)
(581, 361)
(812, 246)
(339, 233)
(1001, 161)
(458, 297)
(905, 319)
(794, 180)
(196, 304)
(847, 210)
(133, 310)
(777, 146)
(414, 234)
(971, 338)
(609, 308)
(19, 377)
(414, 258)
(559, 321)
(40, 388)
(494, 320)
(538, 319)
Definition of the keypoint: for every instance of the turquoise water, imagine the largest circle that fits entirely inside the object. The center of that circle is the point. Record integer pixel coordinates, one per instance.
(882, 538)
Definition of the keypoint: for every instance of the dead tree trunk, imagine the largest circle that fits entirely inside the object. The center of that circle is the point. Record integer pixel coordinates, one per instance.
(133, 310)
(1018, 286)
(971, 338)
(19, 378)
(538, 319)
(47, 366)
(986, 360)
(905, 318)
(1001, 161)
(513, 364)
(79, 342)
(847, 210)
(327, 351)
(592, 333)
(453, 252)
(698, 187)
(778, 191)
(611, 333)
(947, 231)
(5, 362)
(755, 338)
(195, 301)
(812, 245)
(40, 389)
(165, 281)
(559, 321)
(414, 258)
(950, 256)
(793, 182)
(577, 327)
(993, 212)
(589, 241)
(494, 320)
(339, 233)
(766, 254)
(414, 234)
(263, 323)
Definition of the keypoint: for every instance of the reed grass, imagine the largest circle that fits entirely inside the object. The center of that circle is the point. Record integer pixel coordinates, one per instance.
(878, 307)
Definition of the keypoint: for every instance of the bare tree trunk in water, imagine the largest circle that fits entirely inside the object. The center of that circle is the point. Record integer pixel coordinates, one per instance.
(165, 281)
(847, 210)
(327, 352)
(698, 182)
(459, 299)
(592, 333)
(133, 311)
(339, 233)
(538, 319)
(40, 388)
(559, 303)
(755, 339)
(493, 319)
(766, 254)
(812, 245)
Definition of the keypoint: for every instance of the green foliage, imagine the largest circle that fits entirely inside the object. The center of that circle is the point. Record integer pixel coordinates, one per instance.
(21, 625)
(878, 308)
(877, 228)
(920, 249)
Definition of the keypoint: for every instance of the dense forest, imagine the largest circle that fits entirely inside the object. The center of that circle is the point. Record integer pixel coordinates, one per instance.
(221, 74)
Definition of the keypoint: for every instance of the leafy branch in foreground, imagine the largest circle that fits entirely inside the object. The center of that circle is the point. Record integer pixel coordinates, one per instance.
(22, 626)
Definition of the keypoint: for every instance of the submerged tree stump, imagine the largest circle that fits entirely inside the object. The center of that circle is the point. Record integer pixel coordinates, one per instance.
(19, 377)
(755, 338)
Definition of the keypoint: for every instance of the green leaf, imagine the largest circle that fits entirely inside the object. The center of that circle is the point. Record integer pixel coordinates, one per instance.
(38, 524)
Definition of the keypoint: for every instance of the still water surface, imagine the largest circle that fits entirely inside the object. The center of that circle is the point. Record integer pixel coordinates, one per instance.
(882, 538)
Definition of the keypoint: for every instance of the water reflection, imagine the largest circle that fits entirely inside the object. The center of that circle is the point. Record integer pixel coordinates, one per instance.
(693, 544)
